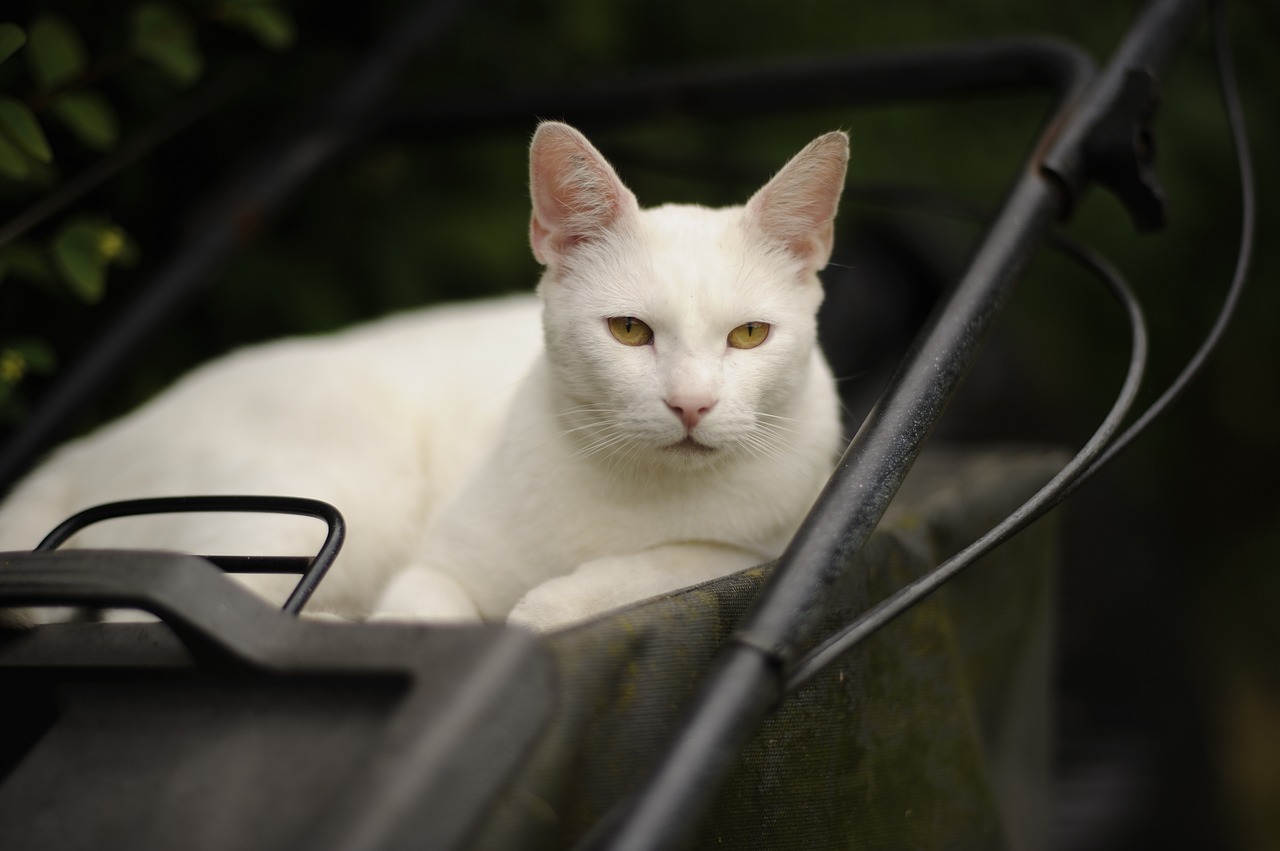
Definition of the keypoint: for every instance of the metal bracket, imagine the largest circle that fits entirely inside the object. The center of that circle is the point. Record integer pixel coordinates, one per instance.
(1120, 150)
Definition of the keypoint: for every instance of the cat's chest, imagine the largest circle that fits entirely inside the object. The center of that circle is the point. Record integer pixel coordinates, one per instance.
(582, 511)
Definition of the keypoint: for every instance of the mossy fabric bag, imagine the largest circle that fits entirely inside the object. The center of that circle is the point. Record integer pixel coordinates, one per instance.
(932, 734)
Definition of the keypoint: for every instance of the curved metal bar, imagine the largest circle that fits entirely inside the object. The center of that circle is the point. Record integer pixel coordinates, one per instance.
(729, 92)
(315, 568)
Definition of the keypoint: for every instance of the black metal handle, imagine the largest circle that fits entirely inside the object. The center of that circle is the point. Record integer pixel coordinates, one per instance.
(217, 620)
(312, 569)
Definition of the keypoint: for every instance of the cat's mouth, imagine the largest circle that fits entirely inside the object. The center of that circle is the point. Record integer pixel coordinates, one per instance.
(689, 446)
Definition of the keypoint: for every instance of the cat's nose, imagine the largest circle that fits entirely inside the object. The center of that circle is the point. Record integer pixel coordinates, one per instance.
(690, 410)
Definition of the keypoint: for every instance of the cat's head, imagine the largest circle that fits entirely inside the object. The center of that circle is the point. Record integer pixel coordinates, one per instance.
(680, 334)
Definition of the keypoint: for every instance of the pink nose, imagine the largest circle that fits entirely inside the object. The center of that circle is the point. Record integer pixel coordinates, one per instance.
(689, 410)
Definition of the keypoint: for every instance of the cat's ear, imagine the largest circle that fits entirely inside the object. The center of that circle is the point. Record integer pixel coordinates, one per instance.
(577, 196)
(797, 208)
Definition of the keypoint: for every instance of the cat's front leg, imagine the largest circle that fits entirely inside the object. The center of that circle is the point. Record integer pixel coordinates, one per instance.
(421, 594)
(607, 583)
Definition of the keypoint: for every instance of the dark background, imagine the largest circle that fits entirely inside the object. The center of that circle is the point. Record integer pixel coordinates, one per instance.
(1169, 687)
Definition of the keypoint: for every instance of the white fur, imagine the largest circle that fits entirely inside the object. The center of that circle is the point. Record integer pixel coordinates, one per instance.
(490, 464)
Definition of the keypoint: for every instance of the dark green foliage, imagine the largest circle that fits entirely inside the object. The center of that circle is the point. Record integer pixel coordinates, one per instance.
(72, 89)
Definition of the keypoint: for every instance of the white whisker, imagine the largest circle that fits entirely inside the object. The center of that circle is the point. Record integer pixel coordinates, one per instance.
(762, 443)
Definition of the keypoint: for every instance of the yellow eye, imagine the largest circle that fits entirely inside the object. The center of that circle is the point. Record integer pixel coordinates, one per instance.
(630, 331)
(749, 336)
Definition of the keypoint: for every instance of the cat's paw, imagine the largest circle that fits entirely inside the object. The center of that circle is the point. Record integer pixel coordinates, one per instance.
(543, 613)
(562, 602)
(417, 594)
(322, 617)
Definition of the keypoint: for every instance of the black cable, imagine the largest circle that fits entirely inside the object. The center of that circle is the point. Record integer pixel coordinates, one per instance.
(1248, 214)
(1044, 499)
(1102, 447)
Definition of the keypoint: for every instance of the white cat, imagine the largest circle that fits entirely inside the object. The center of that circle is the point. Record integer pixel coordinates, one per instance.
(669, 420)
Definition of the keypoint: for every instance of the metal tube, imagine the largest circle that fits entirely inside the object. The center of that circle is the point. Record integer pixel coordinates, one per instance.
(313, 569)
(729, 92)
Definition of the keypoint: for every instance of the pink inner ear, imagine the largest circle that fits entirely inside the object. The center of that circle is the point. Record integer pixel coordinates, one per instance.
(797, 208)
(540, 237)
(577, 196)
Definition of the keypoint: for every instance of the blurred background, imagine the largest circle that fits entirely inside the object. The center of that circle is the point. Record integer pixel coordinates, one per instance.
(1168, 724)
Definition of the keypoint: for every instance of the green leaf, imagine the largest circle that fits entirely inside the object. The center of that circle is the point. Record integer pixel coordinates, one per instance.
(55, 52)
(90, 117)
(12, 163)
(11, 38)
(21, 127)
(76, 257)
(162, 34)
(81, 251)
(270, 24)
